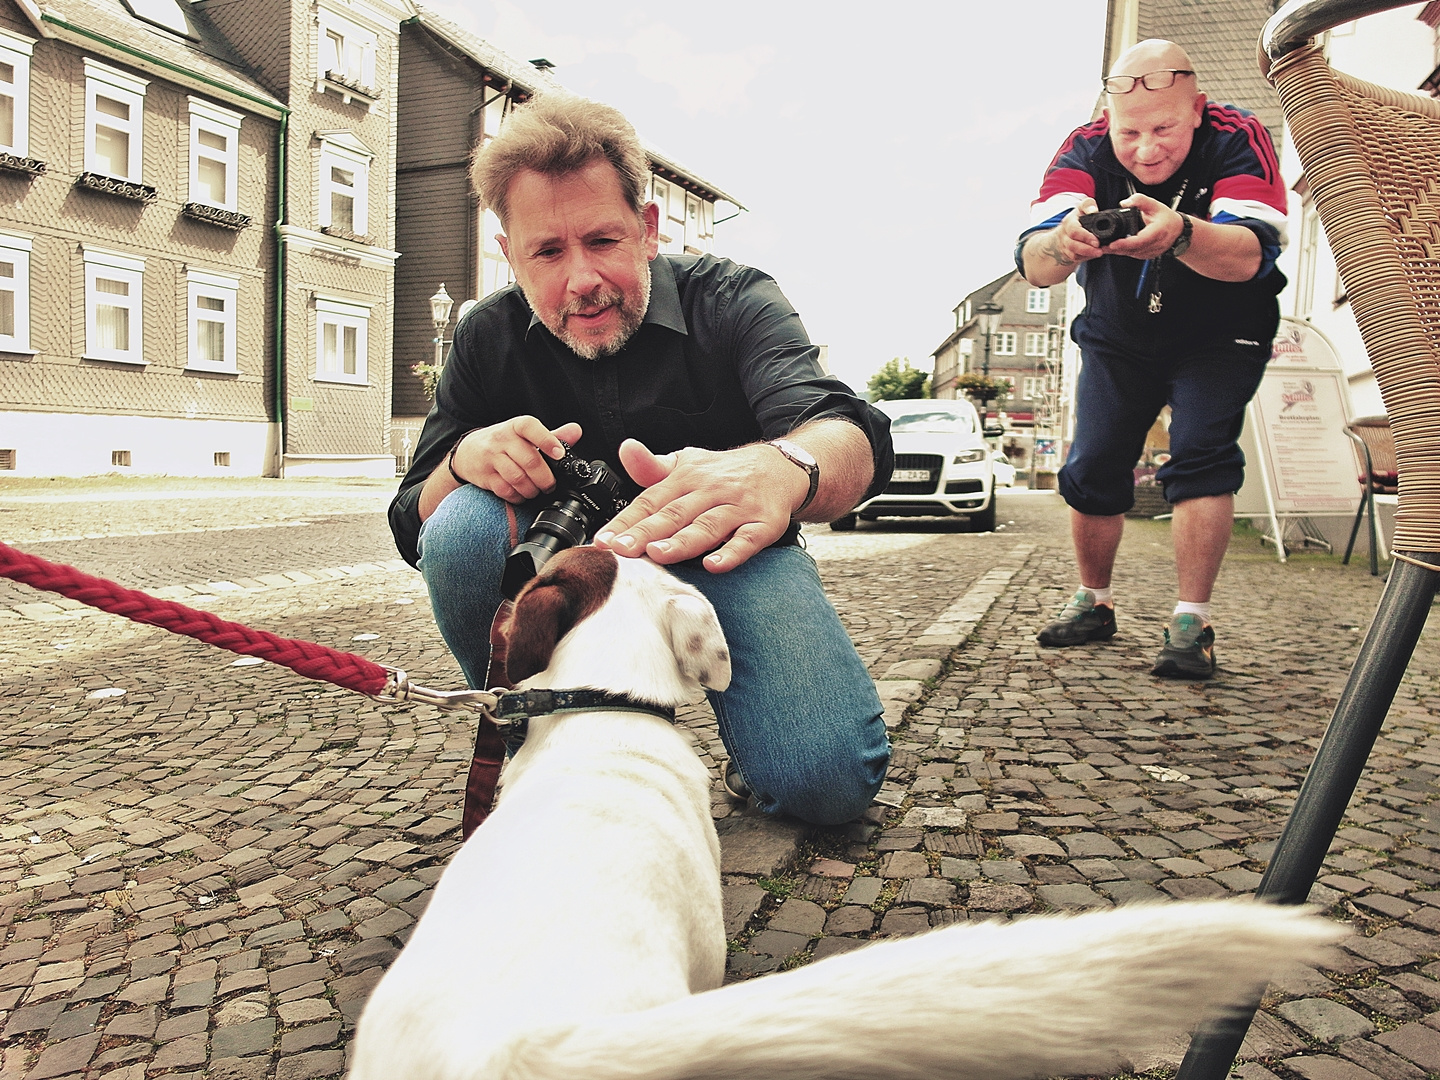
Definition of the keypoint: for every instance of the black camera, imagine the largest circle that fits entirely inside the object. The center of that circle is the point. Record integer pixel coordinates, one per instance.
(587, 494)
(1108, 225)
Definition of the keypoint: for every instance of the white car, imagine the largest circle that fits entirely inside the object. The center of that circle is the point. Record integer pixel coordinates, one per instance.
(943, 466)
(1004, 470)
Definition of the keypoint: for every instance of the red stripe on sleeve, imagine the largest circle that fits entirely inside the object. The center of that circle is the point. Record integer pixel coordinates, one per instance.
(1058, 181)
(1251, 189)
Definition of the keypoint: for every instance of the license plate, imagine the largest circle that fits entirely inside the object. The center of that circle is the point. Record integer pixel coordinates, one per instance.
(910, 476)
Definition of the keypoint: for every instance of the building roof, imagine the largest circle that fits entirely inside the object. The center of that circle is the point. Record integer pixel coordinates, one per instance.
(202, 60)
(1221, 37)
(528, 79)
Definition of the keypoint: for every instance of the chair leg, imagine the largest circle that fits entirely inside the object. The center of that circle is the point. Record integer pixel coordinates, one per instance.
(1354, 530)
(1374, 534)
(1329, 783)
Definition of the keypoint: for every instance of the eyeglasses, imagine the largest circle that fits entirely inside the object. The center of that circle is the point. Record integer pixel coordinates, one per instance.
(1151, 80)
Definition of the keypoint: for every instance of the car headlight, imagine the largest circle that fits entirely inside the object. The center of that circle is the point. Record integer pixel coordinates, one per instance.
(969, 455)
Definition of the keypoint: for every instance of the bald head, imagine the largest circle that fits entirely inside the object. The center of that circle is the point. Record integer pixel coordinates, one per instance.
(1152, 54)
(1152, 131)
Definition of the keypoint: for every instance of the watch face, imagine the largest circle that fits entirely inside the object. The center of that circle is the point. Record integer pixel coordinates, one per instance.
(799, 453)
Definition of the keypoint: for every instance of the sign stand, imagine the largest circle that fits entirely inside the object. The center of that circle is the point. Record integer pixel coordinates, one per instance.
(1295, 434)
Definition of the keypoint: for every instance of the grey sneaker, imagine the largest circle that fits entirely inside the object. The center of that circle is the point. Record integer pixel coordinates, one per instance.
(1081, 621)
(1189, 651)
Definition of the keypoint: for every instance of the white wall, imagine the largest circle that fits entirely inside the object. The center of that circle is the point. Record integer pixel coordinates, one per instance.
(1392, 49)
(71, 444)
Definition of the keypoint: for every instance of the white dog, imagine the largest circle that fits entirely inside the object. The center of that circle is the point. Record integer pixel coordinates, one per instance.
(578, 934)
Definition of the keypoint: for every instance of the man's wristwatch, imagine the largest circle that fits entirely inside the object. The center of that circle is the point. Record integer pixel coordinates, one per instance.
(1182, 242)
(805, 460)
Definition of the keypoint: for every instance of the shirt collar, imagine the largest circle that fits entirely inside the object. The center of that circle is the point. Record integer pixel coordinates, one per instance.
(664, 309)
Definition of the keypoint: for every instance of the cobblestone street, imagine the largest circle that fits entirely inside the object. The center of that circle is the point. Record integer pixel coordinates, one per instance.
(206, 863)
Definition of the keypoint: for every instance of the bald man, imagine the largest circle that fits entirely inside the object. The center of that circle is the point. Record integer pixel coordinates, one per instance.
(1182, 313)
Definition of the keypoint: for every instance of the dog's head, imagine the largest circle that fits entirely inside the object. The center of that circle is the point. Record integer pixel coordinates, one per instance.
(592, 619)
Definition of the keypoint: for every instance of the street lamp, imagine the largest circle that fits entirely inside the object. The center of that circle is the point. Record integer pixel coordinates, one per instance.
(440, 305)
(988, 317)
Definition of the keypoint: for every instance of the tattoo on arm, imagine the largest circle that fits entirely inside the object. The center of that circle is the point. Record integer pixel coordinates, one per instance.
(1051, 246)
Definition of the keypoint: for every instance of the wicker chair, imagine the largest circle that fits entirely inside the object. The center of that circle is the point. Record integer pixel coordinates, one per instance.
(1370, 157)
(1376, 444)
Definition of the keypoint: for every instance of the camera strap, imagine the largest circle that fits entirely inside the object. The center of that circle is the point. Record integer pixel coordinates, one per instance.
(1150, 272)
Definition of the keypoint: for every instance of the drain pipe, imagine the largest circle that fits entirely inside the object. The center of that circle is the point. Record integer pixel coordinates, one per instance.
(282, 219)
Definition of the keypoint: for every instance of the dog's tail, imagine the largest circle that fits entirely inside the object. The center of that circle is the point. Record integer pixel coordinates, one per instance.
(1039, 997)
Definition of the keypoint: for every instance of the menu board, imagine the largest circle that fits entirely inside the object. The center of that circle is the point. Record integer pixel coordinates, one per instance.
(1297, 422)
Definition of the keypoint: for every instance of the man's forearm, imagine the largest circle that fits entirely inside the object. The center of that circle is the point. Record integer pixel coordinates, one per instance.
(847, 465)
(1045, 262)
(1223, 252)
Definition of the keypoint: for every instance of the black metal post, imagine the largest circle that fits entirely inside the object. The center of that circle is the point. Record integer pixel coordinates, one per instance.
(1329, 782)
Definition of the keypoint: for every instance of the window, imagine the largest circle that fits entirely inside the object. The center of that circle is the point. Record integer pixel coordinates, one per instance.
(346, 59)
(344, 184)
(1005, 343)
(967, 346)
(14, 293)
(114, 116)
(340, 354)
(113, 306)
(1035, 344)
(214, 138)
(15, 93)
(1035, 386)
(1037, 300)
(211, 336)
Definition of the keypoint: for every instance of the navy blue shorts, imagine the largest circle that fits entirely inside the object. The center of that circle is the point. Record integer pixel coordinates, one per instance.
(1117, 398)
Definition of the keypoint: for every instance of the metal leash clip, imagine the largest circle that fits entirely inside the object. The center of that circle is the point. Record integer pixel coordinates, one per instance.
(399, 689)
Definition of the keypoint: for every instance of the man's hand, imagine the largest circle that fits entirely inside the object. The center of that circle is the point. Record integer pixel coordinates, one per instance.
(1052, 256)
(737, 501)
(1162, 228)
(504, 458)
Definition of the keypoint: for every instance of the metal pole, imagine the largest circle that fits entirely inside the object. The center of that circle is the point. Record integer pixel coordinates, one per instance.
(1329, 783)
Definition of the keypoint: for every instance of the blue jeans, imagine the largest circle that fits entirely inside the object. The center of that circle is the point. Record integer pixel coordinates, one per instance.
(800, 720)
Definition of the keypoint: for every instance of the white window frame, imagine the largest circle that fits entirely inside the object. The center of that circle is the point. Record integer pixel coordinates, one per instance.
(16, 51)
(1036, 343)
(340, 314)
(118, 86)
(15, 249)
(116, 266)
(207, 283)
(343, 150)
(205, 117)
(1037, 301)
(355, 40)
(1006, 342)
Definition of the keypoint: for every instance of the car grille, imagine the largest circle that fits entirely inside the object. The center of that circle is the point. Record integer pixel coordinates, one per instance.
(960, 487)
(930, 462)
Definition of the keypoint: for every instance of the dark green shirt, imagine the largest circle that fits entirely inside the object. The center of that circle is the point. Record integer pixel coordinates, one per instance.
(720, 360)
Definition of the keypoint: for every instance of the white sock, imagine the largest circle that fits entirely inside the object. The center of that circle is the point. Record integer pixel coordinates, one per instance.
(1203, 610)
(1102, 596)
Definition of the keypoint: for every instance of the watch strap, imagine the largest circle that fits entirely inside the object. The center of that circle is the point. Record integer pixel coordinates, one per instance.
(1182, 242)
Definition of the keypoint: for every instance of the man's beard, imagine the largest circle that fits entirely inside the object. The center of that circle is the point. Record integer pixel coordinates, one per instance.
(631, 316)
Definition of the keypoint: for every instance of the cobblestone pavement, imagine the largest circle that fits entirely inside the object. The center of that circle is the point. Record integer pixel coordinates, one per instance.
(205, 865)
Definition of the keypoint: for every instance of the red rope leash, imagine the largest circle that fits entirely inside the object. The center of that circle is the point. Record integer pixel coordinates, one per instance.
(309, 659)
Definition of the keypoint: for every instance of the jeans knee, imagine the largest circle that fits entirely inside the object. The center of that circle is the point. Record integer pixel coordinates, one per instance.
(826, 788)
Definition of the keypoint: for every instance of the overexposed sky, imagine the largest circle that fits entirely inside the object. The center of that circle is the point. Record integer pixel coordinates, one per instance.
(886, 153)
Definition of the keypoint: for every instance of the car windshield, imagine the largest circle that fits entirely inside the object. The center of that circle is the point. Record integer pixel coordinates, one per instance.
(932, 420)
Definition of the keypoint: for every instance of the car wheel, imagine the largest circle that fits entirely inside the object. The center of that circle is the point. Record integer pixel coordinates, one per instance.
(984, 520)
(843, 524)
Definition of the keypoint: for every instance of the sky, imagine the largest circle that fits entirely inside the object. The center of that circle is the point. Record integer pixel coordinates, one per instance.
(886, 156)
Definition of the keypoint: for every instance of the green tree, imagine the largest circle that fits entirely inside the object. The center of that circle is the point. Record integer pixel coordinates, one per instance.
(897, 380)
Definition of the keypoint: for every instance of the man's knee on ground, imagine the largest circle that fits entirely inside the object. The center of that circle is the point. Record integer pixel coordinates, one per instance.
(831, 791)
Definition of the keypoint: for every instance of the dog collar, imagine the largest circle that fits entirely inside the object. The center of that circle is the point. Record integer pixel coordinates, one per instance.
(514, 708)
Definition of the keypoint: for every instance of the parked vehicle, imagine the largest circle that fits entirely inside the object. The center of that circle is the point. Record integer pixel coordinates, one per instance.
(943, 466)
(1004, 470)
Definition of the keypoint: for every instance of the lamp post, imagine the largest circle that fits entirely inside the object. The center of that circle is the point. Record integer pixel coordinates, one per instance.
(988, 316)
(440, 305)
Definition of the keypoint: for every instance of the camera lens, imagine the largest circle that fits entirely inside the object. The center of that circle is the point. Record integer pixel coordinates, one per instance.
(562, 524)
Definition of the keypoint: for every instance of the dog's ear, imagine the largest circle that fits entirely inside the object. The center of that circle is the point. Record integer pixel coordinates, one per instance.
(540, 619)
(697, 640)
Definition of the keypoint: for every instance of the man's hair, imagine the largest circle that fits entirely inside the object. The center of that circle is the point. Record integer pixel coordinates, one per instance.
(556, 134)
